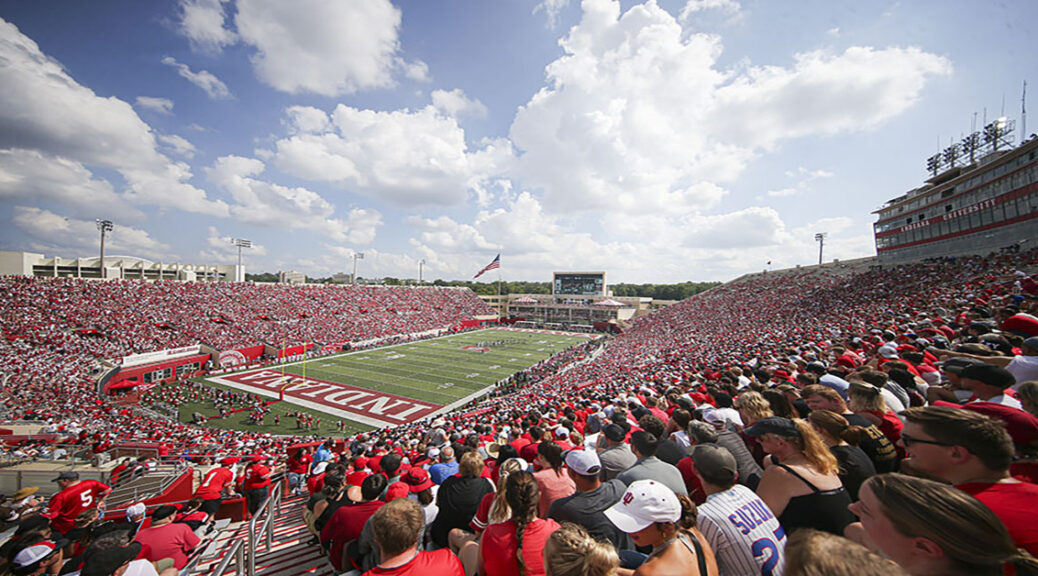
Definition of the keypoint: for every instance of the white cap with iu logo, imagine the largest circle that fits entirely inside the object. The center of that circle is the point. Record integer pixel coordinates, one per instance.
(645, 503)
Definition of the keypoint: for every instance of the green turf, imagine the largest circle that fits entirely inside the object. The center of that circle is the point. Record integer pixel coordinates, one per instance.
(439, 371)
(240, 421)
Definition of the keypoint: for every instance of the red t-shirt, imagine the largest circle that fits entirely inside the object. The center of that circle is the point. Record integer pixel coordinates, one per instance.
(169, 541)
(214, 483)
(254, 477)
(66, 505)
(300, 465)
(482, 518)
(1014, 503)
(440, 562)
(499, 547)
(346, 524)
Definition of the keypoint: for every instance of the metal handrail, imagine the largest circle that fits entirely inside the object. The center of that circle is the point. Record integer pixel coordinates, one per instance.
(236, 553)
(270, 507)
(157, 486)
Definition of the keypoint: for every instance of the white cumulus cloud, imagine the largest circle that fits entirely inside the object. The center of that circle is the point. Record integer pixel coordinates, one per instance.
(43, 108)
(402, 156)
(269, 204)
(202, 23)
(325, 47)
(455, 103)
(204, 79)
(160, 105)
(52, 233)
(638, 115)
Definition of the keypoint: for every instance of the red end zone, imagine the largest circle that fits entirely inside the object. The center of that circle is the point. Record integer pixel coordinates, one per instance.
(368, 406)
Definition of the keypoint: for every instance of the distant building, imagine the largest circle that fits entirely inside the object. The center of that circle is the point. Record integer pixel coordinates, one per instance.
(977, 205)
(291, 278)
(116, 267)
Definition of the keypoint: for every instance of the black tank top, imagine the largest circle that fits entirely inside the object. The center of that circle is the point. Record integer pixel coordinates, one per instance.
(824, 510)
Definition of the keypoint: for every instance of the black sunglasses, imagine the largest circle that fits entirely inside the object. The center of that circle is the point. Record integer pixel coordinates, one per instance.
(908, 441)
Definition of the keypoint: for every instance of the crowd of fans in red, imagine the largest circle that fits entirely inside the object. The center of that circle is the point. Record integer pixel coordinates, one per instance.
(785, 363)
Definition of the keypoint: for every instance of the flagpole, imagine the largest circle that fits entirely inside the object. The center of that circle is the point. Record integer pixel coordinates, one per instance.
(500, 308)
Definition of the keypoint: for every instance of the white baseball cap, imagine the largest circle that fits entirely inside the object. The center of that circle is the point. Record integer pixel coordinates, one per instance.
(583, 462)
(645, 503)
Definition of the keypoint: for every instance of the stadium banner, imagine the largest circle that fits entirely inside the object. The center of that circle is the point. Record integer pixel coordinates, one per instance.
(295, 352)
(332, 397)
(159, 356)
(229, 358)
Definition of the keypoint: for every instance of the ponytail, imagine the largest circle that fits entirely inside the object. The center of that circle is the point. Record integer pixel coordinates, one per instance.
(523, 496)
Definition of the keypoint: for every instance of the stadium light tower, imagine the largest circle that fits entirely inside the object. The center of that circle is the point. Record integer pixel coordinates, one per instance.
(356, 256)
(820, 238)
(241, 243)
(421, 263)
(103, 226)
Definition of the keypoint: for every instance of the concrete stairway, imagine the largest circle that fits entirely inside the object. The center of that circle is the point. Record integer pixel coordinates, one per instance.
(288, 556)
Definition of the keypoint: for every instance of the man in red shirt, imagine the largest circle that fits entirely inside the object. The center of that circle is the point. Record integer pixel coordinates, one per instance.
(397, 526)
(167, 539)
(347, 522)
(256, 483)
(74, 497)
(973, 452)
(217, 483)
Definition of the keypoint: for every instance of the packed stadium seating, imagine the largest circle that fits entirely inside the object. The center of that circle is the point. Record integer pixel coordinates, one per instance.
(762, 323)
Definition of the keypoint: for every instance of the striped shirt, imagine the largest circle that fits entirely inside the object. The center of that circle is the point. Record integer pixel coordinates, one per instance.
(745, 535)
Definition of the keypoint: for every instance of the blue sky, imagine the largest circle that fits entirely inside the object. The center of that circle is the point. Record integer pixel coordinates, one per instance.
(661, 141)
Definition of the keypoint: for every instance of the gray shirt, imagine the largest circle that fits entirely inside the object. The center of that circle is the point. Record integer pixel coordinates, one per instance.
(652, 468)
(615, 460)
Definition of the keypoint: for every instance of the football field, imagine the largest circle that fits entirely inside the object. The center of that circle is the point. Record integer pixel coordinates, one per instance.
(404, 382)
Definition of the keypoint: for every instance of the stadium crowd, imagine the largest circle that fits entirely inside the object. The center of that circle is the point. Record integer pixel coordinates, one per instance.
(879, 421)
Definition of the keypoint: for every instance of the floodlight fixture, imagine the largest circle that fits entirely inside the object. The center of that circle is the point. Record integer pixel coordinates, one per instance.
(104, 227)
(356, 256)
(820, 238)
(241, 243)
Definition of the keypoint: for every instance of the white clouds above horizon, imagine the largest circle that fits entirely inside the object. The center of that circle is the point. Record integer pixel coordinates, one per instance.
(637, 150)
(204, 79)
(269, 204)
(52, 232)
(160, 105)
(202, 23)
(43, 108)
(401, 157)
(323, 46)
(636, 113)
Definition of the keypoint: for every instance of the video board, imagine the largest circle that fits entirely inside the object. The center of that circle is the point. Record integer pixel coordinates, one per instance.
(579, 283)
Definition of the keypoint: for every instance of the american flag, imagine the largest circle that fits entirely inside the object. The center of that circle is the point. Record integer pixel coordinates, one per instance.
(492, 266)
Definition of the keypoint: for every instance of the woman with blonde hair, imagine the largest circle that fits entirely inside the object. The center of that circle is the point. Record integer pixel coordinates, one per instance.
(493, 509)
(571, 551)
(752, 407)
(842, 440)
(801, 483)
(813, 553)
(1027, 393)
(932, 528)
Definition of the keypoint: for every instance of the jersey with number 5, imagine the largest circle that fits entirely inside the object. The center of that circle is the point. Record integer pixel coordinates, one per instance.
(743, 532)
(66, 505)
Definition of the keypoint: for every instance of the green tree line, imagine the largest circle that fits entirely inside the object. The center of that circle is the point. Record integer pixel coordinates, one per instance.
(678, 291)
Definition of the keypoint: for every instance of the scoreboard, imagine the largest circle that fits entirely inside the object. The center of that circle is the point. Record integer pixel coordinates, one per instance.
(579, 283)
